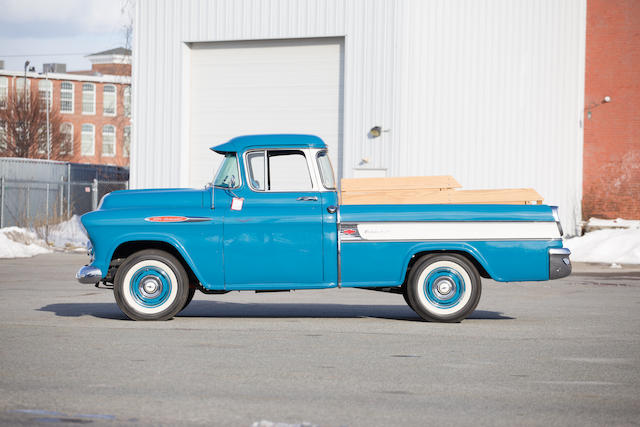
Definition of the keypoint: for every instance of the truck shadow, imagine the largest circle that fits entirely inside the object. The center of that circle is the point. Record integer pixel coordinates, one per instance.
(218, 309)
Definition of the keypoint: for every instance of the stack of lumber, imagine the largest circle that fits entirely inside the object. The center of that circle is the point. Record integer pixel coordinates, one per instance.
(427, 190)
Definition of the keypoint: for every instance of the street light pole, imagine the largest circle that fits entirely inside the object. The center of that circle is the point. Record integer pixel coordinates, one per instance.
(24, 102)
(24, 88)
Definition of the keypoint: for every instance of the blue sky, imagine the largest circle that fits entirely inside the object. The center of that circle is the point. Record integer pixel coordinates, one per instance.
(41, 30)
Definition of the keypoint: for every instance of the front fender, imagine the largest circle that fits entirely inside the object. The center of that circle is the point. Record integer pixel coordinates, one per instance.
(198, 242)
(103, 258)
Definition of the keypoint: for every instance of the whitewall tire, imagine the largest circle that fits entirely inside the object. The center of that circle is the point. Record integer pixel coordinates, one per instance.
(151, 285)
(444, 288)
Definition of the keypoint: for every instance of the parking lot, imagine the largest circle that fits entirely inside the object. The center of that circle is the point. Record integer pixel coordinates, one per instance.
(565, 352)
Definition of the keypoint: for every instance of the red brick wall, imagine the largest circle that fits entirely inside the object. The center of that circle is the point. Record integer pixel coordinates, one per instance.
(98, 120)
(112, 69)
(611, 183)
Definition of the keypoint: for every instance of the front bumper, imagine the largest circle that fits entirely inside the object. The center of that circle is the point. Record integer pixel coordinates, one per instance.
(559, 263)
(89, 275)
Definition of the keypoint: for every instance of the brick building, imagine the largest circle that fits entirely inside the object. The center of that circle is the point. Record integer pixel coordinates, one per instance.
(95, 105)
(611, 174)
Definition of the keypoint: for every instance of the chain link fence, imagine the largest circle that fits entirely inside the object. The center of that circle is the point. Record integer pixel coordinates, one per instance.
(29, 197)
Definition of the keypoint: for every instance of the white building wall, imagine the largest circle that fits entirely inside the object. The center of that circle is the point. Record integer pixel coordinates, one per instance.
(490, 92)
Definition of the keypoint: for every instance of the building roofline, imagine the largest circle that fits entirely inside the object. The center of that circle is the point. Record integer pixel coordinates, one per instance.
(110, 59)
(114, 51)
(67, 76)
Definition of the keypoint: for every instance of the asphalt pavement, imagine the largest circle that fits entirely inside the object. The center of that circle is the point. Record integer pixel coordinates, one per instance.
(564, 352)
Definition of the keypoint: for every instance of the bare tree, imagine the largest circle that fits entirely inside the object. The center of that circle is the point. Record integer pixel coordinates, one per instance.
(23, 129)
(127, 10)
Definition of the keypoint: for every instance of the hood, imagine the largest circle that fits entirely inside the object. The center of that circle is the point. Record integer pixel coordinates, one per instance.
(172, 197)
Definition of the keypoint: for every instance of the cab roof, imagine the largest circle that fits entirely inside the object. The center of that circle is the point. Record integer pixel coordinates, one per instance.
(243, 143)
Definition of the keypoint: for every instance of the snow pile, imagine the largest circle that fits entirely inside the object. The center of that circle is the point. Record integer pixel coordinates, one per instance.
(599, 223)
(608, 245)
(68, 234)
(16, 242)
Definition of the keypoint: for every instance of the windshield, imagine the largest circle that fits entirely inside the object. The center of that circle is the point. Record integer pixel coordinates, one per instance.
(228, 176)
(326, 171)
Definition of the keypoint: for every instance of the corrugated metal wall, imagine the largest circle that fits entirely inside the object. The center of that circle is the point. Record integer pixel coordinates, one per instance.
(490, 92)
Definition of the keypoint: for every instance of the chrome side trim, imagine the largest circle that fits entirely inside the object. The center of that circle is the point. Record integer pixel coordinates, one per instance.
(556, 216)
(453, 240)
(198, 219)
(559, 251)
(89, 275)
(349, 232)
(447, 230)
(177, 219)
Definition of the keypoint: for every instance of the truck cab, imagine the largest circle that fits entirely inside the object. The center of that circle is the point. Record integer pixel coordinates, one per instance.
(277, 194)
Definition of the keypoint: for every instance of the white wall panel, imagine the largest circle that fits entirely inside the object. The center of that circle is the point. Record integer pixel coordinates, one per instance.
(488, 91)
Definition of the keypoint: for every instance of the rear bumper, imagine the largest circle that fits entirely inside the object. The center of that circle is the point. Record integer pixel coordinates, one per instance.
(559, 263)
(89, 275)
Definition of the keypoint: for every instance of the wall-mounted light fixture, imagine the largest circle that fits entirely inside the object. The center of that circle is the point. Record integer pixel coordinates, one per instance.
(375, 132)
(594, 105)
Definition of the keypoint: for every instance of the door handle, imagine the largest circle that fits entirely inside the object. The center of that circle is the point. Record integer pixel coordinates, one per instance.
(307, 199)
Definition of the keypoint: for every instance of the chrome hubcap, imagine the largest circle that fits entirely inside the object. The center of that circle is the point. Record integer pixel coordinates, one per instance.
(150, 287)
(444, 287)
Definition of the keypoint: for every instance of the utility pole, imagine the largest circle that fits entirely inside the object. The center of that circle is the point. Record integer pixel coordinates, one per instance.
(24, 97)
(49, 94)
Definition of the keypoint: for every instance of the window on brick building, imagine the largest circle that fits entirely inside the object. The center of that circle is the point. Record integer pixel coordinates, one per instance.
(66, 97)
(66, 143)
(88, 98)
(3, 136)
(109, 100)
(126, 141)
(20, 87)
(4, 91)
(127, 101)
(109, 140)
(88, 140)
(45, 93)
(42, 139)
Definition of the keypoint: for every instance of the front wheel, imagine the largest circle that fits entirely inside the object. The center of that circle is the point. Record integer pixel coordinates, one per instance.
(192, 292)
(444, 288)
(151, 285)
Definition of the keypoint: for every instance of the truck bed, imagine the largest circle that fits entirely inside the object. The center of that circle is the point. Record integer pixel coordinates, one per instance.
(428, 190)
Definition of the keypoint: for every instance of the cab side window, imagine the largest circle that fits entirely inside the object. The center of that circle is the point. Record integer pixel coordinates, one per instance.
(286, 170)
(256, 169)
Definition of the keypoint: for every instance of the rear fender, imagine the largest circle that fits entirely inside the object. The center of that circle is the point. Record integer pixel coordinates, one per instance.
(445, 247)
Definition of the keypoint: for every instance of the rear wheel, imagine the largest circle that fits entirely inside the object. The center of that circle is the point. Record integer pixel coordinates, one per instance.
(151, 285)
(444, 288)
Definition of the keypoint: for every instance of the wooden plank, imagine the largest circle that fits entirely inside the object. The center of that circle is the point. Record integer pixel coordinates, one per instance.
(431, 196)
(502, 196)
(398, 183)
(387, 197)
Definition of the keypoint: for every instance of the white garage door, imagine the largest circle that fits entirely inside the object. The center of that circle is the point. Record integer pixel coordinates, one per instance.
(269, 86)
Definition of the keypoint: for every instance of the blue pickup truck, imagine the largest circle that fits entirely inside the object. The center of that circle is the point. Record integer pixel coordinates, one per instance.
(272, 221)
